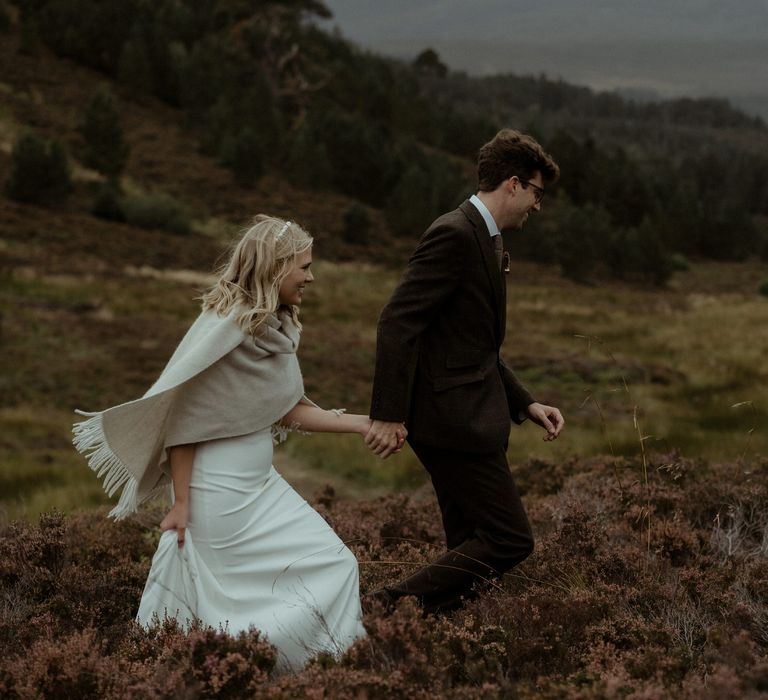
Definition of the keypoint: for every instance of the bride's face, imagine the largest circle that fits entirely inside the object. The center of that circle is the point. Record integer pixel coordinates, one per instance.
(292, 287)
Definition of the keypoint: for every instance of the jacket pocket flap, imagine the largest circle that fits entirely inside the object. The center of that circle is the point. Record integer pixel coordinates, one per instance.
(463, 359)
(443, 383)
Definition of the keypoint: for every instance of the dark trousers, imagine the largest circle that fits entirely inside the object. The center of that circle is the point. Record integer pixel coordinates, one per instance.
(486, 528)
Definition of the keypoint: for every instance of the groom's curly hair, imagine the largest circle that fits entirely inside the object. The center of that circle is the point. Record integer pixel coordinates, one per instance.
(511, 153)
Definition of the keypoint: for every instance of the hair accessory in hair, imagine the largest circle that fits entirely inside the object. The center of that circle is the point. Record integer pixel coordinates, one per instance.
(282, 231)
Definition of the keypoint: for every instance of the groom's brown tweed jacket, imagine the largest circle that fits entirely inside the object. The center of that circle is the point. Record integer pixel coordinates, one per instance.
(437, 355)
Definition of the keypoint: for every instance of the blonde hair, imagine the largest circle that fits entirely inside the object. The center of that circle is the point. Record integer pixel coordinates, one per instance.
(256, 267)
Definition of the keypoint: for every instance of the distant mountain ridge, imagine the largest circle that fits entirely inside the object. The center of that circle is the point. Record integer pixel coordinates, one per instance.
(688, 48)
(557, 19)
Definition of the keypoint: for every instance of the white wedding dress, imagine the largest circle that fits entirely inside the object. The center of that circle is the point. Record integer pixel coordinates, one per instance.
(255, 554)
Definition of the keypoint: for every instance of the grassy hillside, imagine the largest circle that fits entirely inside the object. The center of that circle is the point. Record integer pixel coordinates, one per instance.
(686, 362)
(50, 94)
(91, 309)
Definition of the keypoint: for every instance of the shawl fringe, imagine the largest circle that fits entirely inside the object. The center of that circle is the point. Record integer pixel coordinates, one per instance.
(128, 502)
(89, 440)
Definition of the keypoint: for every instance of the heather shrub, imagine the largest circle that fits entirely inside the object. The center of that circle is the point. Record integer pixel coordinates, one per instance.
(34, 558)
(637, 588)
(391, 536)
(72, 667)
(422, 656)
(203, 661)
(68, 576)
(163, 662)
(542, 479)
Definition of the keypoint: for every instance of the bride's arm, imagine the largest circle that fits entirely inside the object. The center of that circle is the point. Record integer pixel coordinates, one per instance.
(317, 420)
(181, 459)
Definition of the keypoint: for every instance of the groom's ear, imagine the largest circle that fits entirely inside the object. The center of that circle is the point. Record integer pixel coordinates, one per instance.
(512, 183)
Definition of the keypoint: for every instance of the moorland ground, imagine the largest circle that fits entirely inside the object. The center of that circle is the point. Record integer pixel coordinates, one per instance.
(649, 511)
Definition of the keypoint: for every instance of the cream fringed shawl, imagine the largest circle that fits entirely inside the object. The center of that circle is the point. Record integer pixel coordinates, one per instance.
(219, 383)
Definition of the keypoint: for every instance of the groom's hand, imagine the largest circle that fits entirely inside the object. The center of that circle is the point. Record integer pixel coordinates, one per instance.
(548, 417)
(385, 437)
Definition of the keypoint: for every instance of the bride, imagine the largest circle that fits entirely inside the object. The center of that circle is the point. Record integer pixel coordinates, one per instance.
(239, 547)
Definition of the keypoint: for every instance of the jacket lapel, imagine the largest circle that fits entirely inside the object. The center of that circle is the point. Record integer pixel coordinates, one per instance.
(491, 265)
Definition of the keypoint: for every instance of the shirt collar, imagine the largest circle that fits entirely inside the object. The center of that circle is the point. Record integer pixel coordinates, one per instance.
(493, 229)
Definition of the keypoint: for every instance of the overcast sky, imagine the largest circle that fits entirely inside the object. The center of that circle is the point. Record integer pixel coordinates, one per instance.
(670, 47)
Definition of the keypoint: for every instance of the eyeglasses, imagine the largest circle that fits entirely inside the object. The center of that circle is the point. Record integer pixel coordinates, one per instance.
(539, 193)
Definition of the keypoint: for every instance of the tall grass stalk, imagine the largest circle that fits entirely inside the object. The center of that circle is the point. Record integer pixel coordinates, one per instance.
(751, 431)
(604, 431)
(642, 438)
(591, 339)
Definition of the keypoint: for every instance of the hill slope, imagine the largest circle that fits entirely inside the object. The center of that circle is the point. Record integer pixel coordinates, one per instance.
(49, 94)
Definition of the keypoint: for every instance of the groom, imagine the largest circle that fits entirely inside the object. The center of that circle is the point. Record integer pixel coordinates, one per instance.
(439, 373)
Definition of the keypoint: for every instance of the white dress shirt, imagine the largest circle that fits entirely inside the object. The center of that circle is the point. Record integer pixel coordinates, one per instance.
(493, 229)
(490, 222)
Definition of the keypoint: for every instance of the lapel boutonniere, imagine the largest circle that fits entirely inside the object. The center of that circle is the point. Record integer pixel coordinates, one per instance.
(505, 262)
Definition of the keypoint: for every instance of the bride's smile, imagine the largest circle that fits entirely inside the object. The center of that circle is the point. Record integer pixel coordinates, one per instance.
(292, 287)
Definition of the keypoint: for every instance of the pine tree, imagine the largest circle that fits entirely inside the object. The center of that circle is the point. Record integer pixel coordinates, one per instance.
(29, 37)
(39, 171)
(59, 183)
(412, 204)
(134, 67)
(243, 155)
(5, 19)
(29, 169)
(105, 148)
(307, 164)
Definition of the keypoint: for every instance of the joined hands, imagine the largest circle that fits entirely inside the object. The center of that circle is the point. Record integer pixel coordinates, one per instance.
(385, 438)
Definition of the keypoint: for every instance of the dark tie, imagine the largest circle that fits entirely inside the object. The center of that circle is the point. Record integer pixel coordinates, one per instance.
(498, 246)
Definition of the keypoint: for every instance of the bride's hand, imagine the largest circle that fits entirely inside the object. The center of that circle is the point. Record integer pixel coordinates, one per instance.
(176, 519)
(402, 433)
(386, 438)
